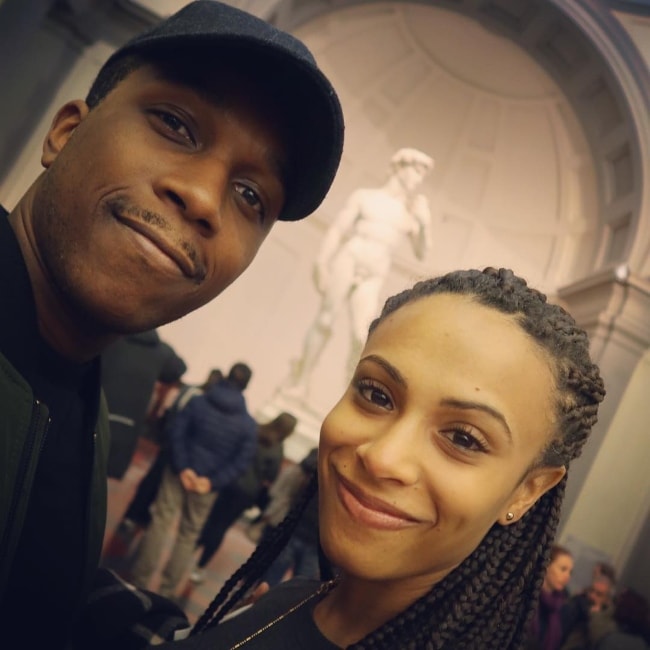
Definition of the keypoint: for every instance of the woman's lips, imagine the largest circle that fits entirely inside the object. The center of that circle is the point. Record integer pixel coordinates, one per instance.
(372, 511)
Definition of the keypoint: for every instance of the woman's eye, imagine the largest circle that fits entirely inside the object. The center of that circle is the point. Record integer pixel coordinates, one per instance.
(464, 439)
(175, 124)
(250, 197)
(374, 394)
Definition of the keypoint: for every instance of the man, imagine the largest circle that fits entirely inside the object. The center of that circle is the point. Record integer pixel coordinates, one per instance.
(584, 611)
(131, 369)
(212, 442)
(356, 256)
(158, 191)
(137, 515)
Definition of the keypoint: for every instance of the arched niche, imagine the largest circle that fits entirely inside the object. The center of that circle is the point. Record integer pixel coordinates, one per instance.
(590, 57)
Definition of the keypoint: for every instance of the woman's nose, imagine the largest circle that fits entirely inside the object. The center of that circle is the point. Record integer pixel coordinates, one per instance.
(393, 453)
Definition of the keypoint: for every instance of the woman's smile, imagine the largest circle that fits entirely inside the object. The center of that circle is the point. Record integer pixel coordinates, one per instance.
(370, 510)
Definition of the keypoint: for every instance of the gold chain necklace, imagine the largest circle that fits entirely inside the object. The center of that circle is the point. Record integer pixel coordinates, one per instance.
(323, 589)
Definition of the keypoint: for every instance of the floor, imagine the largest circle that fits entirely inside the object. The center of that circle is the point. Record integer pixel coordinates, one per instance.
(194, 598)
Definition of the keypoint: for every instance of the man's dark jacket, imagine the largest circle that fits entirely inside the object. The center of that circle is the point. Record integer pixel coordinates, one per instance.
(130, 369)
(23, 427)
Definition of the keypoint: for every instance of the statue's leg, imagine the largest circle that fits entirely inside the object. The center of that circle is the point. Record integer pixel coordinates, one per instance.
(318, 335)
(364, 307)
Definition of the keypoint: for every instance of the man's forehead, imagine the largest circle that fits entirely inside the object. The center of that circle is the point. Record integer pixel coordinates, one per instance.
(215, 83)
(224, 88)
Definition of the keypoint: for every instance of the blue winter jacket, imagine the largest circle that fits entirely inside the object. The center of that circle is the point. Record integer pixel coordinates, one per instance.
(214, 435)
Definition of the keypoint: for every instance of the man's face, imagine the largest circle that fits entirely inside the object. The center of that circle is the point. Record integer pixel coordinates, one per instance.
(599, 594)
(156, 200)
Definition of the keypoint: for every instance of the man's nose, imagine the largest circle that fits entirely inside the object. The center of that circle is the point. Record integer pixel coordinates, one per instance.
(199, 191)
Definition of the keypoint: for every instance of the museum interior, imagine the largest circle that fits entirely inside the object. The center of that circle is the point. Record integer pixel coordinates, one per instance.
(531, 120)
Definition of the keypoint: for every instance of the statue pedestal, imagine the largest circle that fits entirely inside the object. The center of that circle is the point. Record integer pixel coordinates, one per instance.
(307, 431)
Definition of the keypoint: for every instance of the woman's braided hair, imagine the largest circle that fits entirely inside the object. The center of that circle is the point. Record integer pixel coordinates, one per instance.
(249, 573)
(486, 601)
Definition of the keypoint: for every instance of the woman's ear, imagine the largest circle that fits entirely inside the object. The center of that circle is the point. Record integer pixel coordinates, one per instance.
(535, 484)
(66, 120)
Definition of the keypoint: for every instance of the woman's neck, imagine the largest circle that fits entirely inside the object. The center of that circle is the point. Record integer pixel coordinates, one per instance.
(355, 607)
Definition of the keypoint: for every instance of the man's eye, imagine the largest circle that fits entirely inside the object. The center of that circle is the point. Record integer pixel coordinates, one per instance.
(175, 124)
(250, 197)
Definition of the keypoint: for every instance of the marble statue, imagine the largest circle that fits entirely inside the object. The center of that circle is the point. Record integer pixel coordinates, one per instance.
(356, 256)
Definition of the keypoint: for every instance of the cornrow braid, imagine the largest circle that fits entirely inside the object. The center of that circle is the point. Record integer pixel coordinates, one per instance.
(253, 569)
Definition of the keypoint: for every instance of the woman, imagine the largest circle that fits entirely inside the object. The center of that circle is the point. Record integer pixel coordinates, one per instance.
(546, 631)
(440, 478)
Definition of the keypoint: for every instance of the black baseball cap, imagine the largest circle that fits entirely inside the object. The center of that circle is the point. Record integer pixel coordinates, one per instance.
(317, 126)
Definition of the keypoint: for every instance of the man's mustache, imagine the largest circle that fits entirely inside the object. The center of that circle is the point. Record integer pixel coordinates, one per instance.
(123, 206)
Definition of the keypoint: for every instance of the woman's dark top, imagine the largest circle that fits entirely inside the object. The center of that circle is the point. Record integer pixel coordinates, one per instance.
(296, 630)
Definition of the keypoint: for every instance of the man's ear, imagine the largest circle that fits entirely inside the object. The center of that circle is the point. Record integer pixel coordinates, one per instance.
(535, 484)
(66, 120)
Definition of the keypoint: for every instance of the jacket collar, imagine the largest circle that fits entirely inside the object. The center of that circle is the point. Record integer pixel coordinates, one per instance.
(19, 332)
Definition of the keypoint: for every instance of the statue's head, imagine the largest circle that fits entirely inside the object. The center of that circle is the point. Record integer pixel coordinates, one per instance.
(410, 166)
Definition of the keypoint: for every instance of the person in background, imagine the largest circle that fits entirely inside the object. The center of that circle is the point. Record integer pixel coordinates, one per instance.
(138, 515)
(441, 475)
(626, 627)
(251, 489)
(579, 612)
(606, 569)
(546, 628)
(141, 216)
(282, 495)
(130, 369)
(212, 442)
(300, 556)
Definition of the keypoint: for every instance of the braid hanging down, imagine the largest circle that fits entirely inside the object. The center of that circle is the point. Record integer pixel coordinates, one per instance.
(252, 570)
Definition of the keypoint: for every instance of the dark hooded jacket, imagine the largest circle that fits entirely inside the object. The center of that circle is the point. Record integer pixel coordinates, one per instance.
(214, 435)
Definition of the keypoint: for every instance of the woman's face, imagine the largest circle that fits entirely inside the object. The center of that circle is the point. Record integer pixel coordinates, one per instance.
(431, 444)
(558, 573)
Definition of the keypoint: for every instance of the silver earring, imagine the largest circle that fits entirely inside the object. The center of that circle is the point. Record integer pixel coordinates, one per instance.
(510, 516)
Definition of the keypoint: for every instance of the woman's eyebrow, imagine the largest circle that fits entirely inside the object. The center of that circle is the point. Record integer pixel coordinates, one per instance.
(388, 367)
(478, 406)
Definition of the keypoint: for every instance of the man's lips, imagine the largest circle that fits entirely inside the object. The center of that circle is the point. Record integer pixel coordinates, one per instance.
(371, 510)
(153, 235)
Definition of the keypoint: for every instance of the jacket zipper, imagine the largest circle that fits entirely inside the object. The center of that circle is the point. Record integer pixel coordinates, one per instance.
(22, 472)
